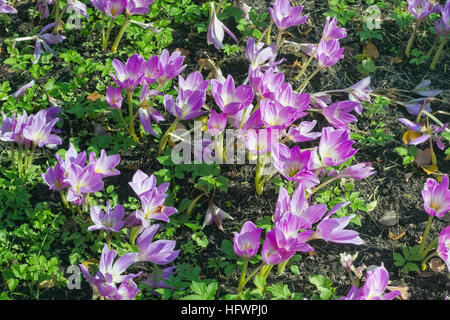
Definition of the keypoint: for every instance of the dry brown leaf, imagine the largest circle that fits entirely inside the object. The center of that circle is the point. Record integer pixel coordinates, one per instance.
(408, 176)
(394, 237)
(436, 265)
(184, 52)
(371, 50)
(379, 160)
(290, 34)
(131, 167)
(312, 254)
(404, 295)
(426, 274)
(396, 60)
(305, 33)
(430, 169)
(50, 283)
(423, 157)
(192, 34)
(94, 96)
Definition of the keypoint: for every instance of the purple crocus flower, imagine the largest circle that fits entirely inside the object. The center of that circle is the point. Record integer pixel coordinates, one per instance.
(358, 92)
(145, 117)
(424, 132)
(335, 147)
(138, 7)
(358, 171)
(143, 183)
(158, 278)
(302, 132)
(332, 229)
(171, 66)
(216, 123)
(320, 100)
(215, 215)
(271, 252)
(46, 40)
(413, 106)
(246, 242)
(21, 91)
(193, 82)
(443, 248)
(332, 32)
(78, 7)
(105, 165)
(153, 207)
(328, 53)
(436, 197)
(99, 5)
(54, 178)
(291, 163)
(82, 181)
(159, 252)
(216, 30)
(111, 220)
(39, 131)
(71, 157)
(277, 116)
(421, 9)
(287, 235)
(287, 97)
(286, 16)
(423, 89)
(257, 55)
(128, 76)
(338, 113)
(114, 97)
(269, 83)
(42, 6)
(187, 106)
(114, 7)
(229, 98)
(5, 8)
(374, 287)
(152, 70)
(260, 141)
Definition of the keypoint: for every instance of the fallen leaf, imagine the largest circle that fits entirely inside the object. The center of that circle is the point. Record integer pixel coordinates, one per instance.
(131, 167)
(379, 160)
(305, 33)
(192, 34)
(423, 157)
(94, 96)
(312, 254)
(408, 176)
(290, 34)
(394, 237)
(404, 295)
(436, 265)
(430, 169)
(389, 219)
(50, 283)
(426, 274)
(184, 52)
(371, 50)
(396, 60)
(410, 135)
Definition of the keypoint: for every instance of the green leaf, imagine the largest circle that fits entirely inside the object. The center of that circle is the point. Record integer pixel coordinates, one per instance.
(323, 284)
(259, 282)
(295, 270)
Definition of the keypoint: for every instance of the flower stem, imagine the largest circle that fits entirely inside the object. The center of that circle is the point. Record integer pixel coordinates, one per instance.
(108, 32)
(165, 137)
(13, 155)
(242, 279)
(19, 160)
(57, 17)
(425, 260)
(300, 89)
(220, 155)
(323, 184)
(411, 40)
(64, 199)
(279, 38)
(282, 266)
(258, 183)
(33, 148)
(305, 66)
(119, 111)
(133, 234)
(131, 115)
(425, 235)
(438, 52)
(436, 39)
(125, 25)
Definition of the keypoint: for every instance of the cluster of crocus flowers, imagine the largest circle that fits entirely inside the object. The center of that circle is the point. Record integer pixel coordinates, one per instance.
(286, 16)
(374, 288)
(436, 201)
(110, 282)
(28, 132)
(136, 72)
(294, 221)
(420, 9)
(114, 8)
(74, 178)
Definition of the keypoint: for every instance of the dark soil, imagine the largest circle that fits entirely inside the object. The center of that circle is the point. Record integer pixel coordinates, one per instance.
(394, 186)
